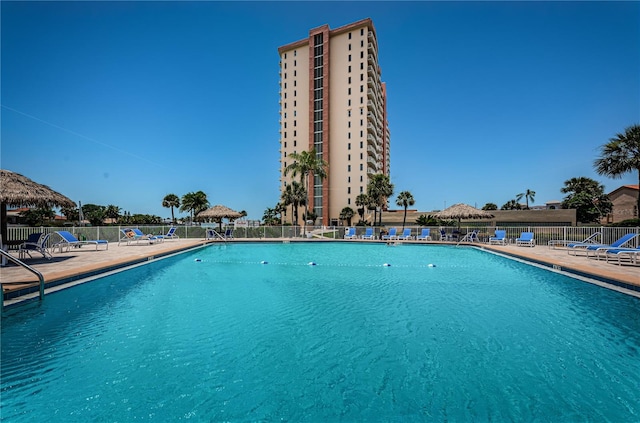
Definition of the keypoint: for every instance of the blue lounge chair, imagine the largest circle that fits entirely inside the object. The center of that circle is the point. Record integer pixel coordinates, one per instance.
(69, 240)
(499, 238)
(526, 240)
(391, 234)
(443, 235)
(141, 236)
(424, 235)
(35, 242)
(368, 234)
(130, 236)
(228, 234)
(587, 248)
(350, 233)
(171, 234)
(406, 234)
(631, 254)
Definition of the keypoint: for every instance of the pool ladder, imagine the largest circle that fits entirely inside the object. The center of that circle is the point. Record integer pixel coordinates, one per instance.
(11, 258)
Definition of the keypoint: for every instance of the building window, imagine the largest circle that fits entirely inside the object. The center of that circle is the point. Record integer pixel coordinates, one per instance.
(349, 46)
(361, 123)
(360, 166)
(295, 143)
(285, 55)
(361, 68)
(348, 179)
(285, 154)
(361, 190)
(348, 168)
(295, 132)
(349, 60)
(285, 75)
(285, 125)
(285, 65)
(361, 101)
(349, 38)
(294, 122)
(295, 62)
(361, 133)
(348, 146)
(349, 102)
(349, 80)
(361, 156)
(361, 88)
(361, 44)
(361, 144)
(349, 157)
(349, 91)
(295, 52)
(349, 124)
(361, 179)
(285, 85)
(348, 135)
(295, 72)
(361, 56)
(285, 146)
(361, 79)
(295, 103)
(349, 113)
(294, 81)
(285, 134)
(348, 190)
(361, 31)
(361, 111)
(294, 92)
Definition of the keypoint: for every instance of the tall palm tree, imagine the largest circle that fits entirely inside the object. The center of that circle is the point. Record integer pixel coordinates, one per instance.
(621, 155)
(194, 203)
(405, 199)
(528, 195)
(171, 201)
(294, 195)
(304, 164)
(379, 189)
(362, 201)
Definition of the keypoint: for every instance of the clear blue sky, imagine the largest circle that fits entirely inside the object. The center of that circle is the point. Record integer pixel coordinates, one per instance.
(124, 102)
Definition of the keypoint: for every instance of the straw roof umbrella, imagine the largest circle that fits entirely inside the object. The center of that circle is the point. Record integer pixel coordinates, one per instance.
(218, 213)
(462, 211)
(18, 190)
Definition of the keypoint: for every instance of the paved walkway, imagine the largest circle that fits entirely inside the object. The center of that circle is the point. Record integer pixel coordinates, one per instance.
(81, 262)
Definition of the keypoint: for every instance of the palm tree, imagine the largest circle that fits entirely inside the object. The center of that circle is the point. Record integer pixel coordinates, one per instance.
(587, 197)
(621, 155)
(194, 202)
(379, 189)
(304, 164)
(528, 195)
(511, 205)
(490, 206)
(296, 196)
(171, 200)
(346, 214)
(405, 199)
(362, 201)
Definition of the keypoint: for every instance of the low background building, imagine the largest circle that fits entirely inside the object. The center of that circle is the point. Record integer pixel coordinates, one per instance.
(625, 204)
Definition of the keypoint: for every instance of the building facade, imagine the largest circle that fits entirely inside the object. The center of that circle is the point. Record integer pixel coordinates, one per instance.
(625, 204)
(332, 99)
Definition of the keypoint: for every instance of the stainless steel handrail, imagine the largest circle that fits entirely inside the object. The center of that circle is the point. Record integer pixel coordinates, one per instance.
(26, 266)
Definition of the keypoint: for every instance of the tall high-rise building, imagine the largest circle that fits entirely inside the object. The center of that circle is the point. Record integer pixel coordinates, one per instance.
(332, 99)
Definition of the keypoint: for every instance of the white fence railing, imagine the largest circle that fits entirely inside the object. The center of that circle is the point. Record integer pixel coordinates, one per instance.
(542, 234)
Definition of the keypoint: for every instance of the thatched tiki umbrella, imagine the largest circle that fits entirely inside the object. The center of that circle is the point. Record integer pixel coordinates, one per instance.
(17, 190)
(217, 213)
(462, 211)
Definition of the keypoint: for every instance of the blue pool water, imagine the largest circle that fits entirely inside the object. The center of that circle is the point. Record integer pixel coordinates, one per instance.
(476, 338)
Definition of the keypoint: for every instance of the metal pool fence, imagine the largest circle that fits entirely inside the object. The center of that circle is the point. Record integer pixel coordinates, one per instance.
(542, 234)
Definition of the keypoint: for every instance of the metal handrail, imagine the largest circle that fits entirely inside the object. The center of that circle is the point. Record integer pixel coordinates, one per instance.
(26, 266)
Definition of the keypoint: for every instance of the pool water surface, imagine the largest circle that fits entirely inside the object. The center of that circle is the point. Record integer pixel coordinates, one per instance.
(256, 332)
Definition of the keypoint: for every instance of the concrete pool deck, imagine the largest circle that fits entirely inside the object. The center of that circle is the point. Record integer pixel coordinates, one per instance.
(78, 263)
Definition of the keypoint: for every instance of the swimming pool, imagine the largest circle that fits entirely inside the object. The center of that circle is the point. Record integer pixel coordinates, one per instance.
(478, 337)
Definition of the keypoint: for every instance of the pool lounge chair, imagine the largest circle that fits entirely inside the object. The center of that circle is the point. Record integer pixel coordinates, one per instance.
(390, 235)
(471, 237)
(35, 242)
(424, 235)
(368, 234)
(443, 235)
(171, 234)
(499, 237)
(129, 236)
(632, 255)
(228, 234)
(350, 233)
(69, 240)
(574, 249)
(526, 240)
(590, 240)
(406, 234)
